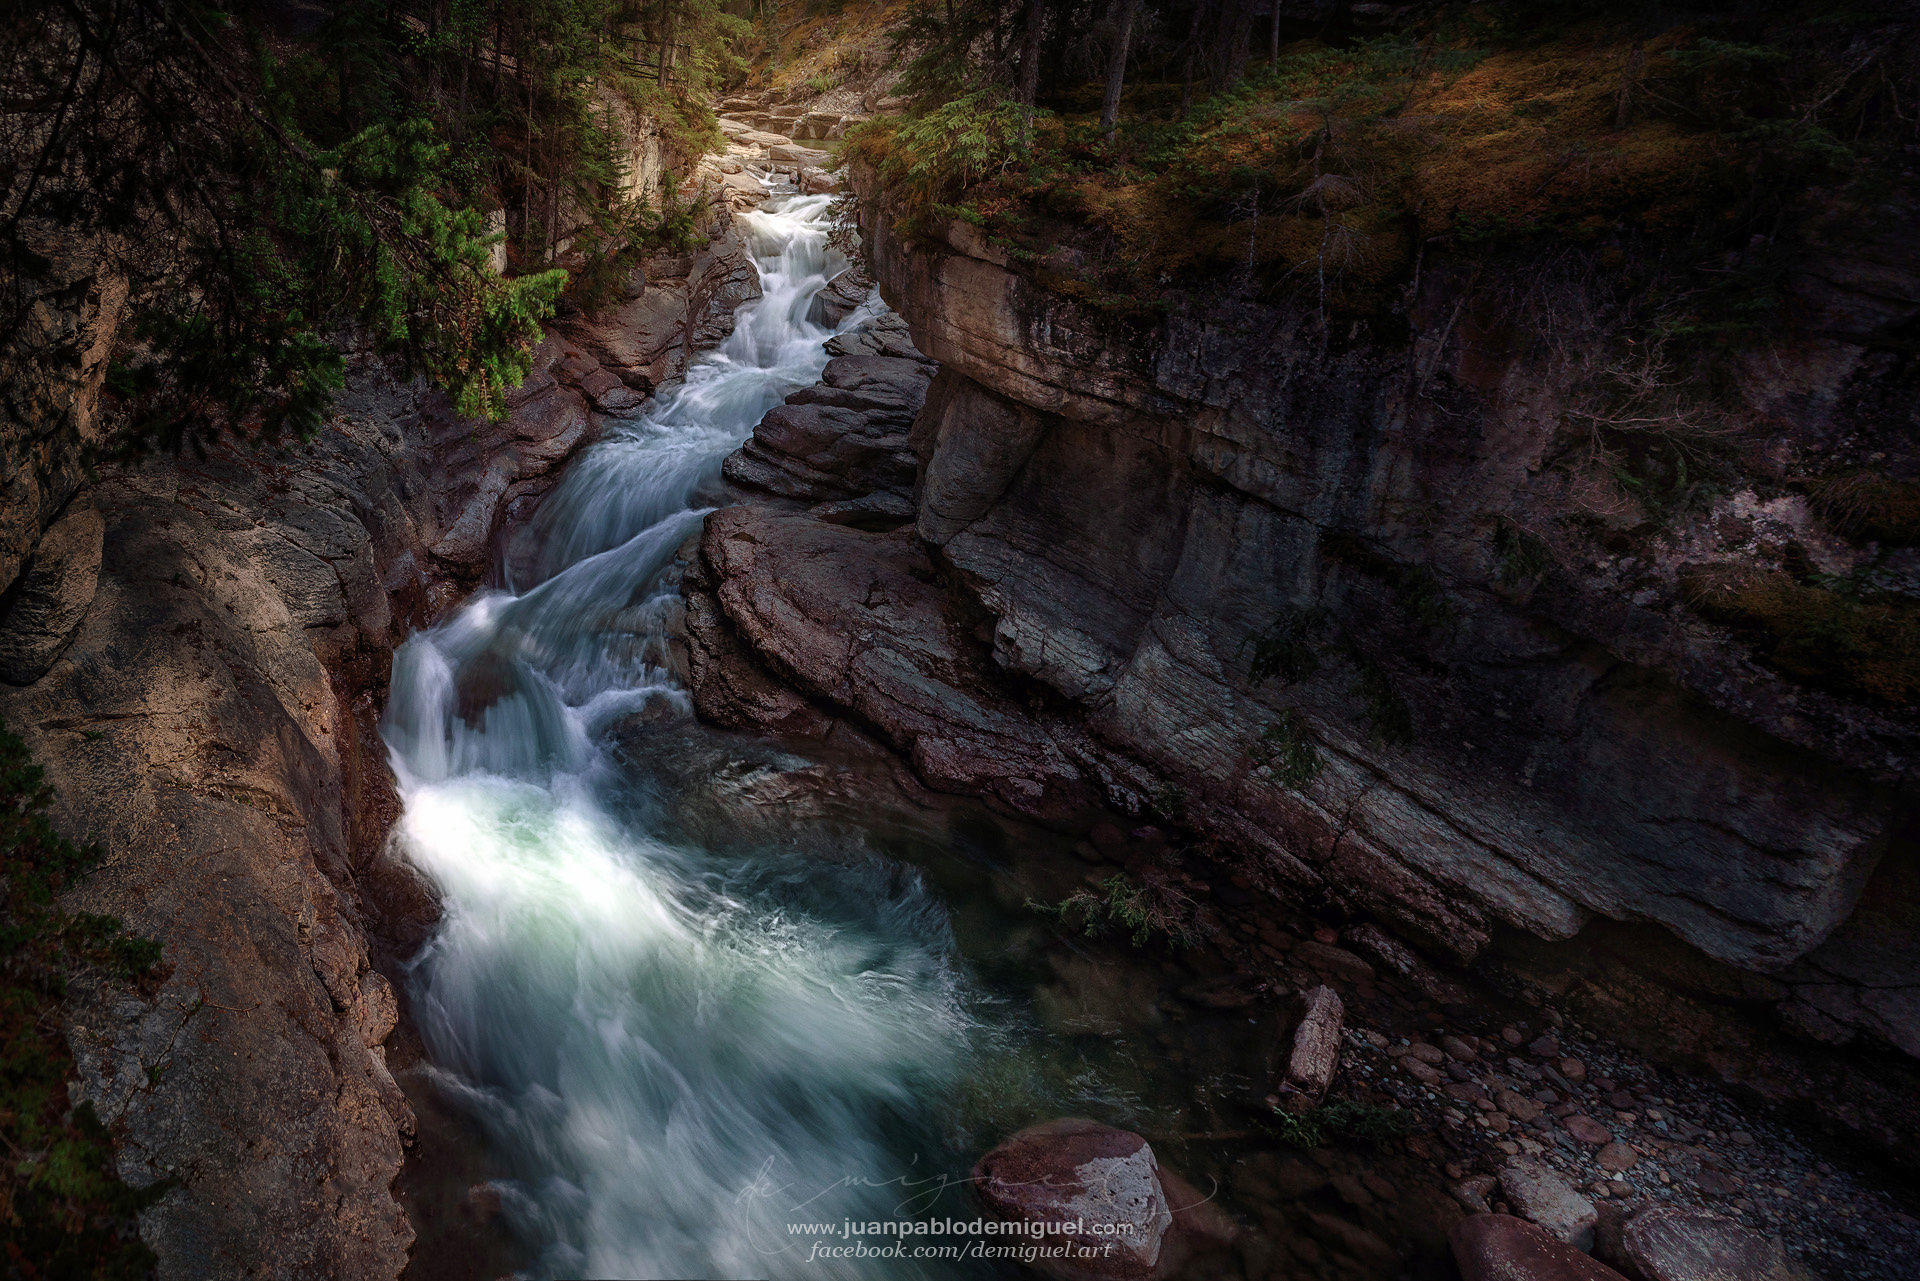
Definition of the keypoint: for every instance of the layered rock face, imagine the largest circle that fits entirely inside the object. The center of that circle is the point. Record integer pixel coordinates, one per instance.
(1313, 595)
(196, 652)
(210, 720)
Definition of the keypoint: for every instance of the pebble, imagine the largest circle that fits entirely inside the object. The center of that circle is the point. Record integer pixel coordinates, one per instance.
(1586, 1129)
(1421, 1071)
(1616, 1157)
(1517, 1106)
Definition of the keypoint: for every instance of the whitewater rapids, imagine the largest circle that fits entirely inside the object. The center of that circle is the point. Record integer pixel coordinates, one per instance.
(678, 1053)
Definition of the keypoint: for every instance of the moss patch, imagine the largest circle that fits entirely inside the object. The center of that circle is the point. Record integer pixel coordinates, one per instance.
(63, 1210)
(1864, 505)
(1852, 645)
(1328, 172)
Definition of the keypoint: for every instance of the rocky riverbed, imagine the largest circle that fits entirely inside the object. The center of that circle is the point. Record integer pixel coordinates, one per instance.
(817, 610)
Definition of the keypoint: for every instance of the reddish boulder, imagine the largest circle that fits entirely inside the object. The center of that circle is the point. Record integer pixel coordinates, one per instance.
(1587, 1130)
(1686, 1245)
(1101, 1191)
(1499, 1247)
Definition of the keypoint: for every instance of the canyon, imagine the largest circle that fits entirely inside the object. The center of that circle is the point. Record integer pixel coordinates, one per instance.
(197, 651)
(1144, 560)
(1220, 590)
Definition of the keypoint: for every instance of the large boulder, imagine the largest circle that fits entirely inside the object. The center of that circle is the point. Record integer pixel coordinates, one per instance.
(816, 182)
(1499, 1247)
(1102, 1193)
(1094, 1188)
(794, 154)
(1686, 1245)
(1540, 1195)
(815, 125)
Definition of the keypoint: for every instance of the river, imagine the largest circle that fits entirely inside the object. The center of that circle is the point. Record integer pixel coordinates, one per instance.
(677, 1051)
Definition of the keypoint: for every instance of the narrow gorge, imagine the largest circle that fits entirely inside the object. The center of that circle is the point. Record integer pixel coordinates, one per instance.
(827, 654)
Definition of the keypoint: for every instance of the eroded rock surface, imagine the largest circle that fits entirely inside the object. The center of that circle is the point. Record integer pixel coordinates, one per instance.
(844, 438)
(196, 651)
(1088, 1186)
(1322, 592)
(1499, 1247)
(1678, 1245)
(51, 596)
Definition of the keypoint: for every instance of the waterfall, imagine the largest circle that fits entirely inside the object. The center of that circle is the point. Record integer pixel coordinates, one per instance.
(676, 1052)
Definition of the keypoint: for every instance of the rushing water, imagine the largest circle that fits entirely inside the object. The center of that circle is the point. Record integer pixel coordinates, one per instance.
(675, 1051)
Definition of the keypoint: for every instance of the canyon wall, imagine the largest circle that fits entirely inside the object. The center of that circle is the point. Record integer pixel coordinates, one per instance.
(197, 652)
(1343, 604)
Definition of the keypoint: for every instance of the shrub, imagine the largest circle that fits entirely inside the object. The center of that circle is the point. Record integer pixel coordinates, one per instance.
(1287, 748)
(1122, 906)
(1285, 647)
(1348, 1119)
(933, 159)
(1387, 713)
(1864, 646)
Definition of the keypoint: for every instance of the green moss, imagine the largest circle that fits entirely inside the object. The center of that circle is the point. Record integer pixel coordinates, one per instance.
(1287, 748)
(1863, 646)
(1285, 647)
(63, 1210)
(1343, 1119)
(1522, 557)
(1417, 590)
(1387, 712)
(1169, 804)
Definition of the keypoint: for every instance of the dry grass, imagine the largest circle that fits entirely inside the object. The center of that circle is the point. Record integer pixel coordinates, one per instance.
(1869, 505)
(1328, 172)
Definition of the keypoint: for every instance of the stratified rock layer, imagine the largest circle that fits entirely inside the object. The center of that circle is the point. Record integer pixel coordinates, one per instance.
(1219, 556)
(196, 651)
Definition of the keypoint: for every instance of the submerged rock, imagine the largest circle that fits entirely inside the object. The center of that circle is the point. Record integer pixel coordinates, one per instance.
(1685, 1245)
(1072, 1171)
(1500, 1247)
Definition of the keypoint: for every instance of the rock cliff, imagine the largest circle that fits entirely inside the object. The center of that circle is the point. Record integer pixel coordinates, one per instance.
(196, 651)
(1338, 604)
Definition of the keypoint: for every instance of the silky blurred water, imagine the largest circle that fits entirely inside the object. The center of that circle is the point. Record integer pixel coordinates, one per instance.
(675, 1051)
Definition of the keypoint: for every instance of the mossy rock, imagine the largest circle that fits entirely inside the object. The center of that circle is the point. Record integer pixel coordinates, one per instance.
(1863, 505)
(1860, 646)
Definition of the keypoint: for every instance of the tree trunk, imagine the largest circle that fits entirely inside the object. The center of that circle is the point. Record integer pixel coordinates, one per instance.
(1117, 65)
(1202, 9)
(1238, 32)
(1273, 38)
(1030, 52)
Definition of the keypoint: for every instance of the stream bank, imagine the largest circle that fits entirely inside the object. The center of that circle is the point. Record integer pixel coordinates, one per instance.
(197, 653)
(1481, 1071)
(989, 592)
